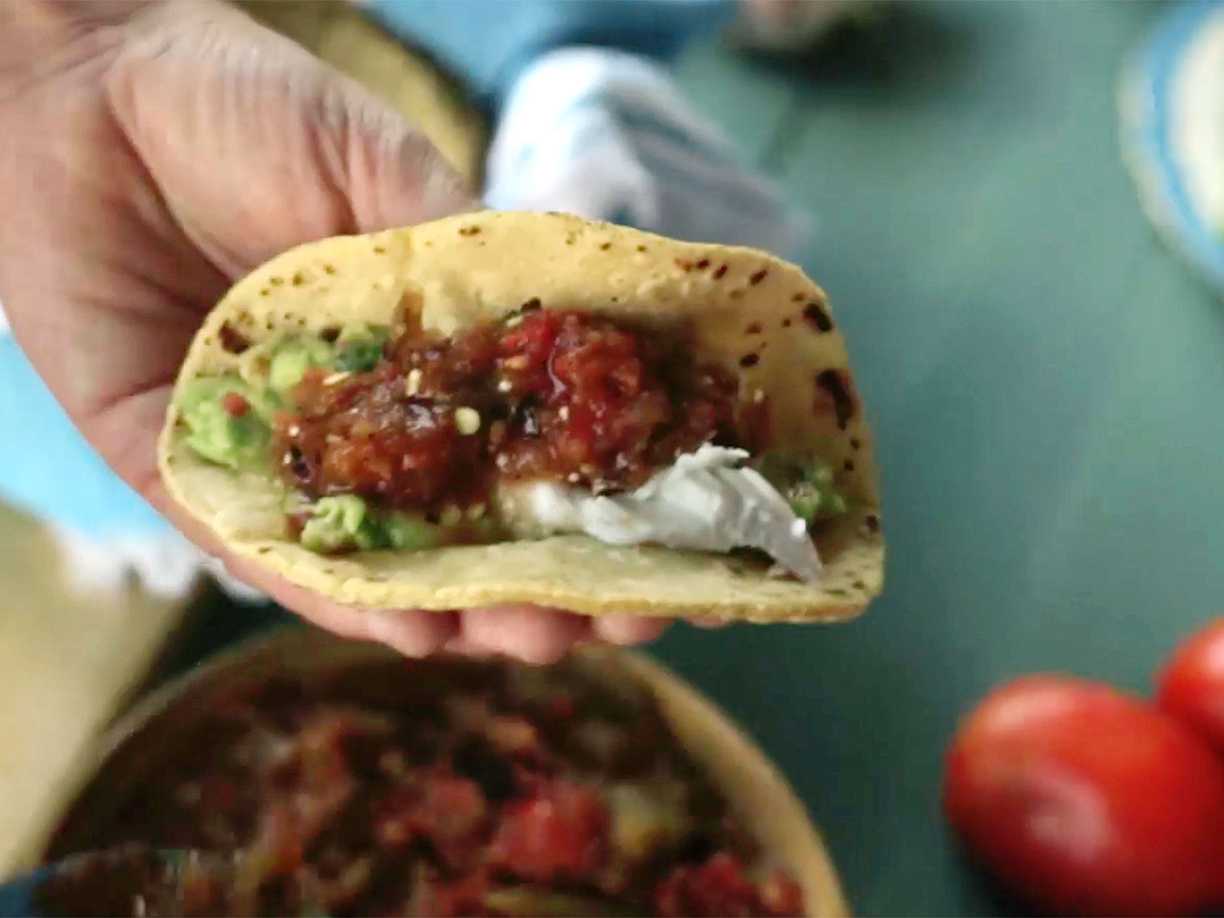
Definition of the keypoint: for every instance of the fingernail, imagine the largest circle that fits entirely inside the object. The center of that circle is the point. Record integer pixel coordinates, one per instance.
(626, 630)
(413, 633)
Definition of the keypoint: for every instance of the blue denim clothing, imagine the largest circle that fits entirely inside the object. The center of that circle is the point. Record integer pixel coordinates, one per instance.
(487, 43)
(50, 470)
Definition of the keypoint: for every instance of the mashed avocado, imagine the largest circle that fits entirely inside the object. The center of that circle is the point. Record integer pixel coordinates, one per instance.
(224, 432)
(345, 522)
(292, 358)
(226, 421)
(359, 348)
(807, 487)
(648, 818)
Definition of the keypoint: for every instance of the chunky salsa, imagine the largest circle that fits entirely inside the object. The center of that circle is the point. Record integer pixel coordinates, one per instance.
(137, 880)
(545, 394)
(449, 788)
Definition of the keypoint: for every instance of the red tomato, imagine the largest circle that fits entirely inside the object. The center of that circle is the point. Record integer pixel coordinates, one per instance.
(1191, 686)
(235, 405)
(560, 833)
(1085, 800)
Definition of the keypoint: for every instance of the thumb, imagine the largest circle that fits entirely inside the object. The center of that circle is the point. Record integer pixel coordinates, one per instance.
(392, 173)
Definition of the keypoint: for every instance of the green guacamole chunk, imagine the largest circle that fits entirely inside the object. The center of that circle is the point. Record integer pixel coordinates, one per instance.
(226, 421)
(345, 523)
(359, 348)
(292, 358)
(410, 532)
(808, 487)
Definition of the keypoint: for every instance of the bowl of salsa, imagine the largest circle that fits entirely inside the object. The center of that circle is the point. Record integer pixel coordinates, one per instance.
(317, 776)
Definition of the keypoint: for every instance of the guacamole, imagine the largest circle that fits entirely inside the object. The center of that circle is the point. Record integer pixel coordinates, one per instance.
(345, 522)
(227, 421)
(807, 486)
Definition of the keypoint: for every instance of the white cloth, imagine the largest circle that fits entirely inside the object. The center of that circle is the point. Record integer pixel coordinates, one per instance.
(607, 135)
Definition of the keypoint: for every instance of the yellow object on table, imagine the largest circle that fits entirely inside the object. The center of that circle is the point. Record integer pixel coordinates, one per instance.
(69, 659)
(341, 35)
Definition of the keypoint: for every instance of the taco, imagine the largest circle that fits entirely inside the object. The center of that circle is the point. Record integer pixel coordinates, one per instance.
(521, 407)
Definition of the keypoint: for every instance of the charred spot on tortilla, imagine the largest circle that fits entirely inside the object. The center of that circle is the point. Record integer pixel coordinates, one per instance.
(832, 383)
(818, 318)
(232, 340)
(584, 437)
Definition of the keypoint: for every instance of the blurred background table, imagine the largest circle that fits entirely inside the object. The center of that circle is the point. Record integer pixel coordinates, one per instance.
(1045, 382)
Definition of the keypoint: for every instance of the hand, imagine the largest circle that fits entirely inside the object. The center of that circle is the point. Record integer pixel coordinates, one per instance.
(152, 155)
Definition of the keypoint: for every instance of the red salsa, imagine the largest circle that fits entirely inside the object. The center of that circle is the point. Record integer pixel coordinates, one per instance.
(446, 788)
(138, 880)
(544, 394)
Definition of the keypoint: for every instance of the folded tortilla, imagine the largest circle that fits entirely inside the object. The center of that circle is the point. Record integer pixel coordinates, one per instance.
(755, 315)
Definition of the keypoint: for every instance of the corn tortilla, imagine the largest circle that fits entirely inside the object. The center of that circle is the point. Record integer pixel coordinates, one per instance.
(753, 314)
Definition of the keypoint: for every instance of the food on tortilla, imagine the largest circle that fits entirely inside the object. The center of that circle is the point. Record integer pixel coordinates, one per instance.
(511, 407)
(449, 787)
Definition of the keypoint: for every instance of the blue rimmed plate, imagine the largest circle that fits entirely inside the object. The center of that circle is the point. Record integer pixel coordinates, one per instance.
(1172, 111)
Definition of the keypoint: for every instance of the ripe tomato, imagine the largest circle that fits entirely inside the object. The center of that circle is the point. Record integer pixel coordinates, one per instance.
(560, 833)
(1085, 800)
(1191, 686)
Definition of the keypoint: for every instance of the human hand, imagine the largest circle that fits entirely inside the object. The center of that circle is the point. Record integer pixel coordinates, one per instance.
(152, 155)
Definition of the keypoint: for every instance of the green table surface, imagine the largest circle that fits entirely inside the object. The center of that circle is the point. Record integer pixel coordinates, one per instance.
(1045, 382)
